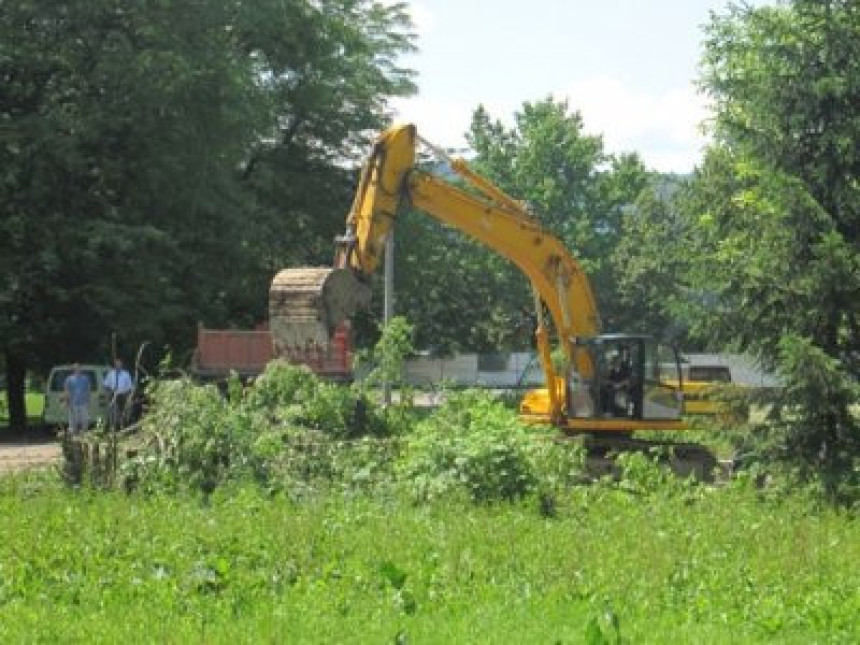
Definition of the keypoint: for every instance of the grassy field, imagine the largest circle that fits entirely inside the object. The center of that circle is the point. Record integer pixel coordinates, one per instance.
(35, 403)
(707, 566)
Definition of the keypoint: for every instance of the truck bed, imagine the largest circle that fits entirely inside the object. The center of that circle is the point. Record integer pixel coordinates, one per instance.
(247, 352)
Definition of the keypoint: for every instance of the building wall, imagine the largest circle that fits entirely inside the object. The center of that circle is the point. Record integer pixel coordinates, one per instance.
(509, 370)
(522, 369)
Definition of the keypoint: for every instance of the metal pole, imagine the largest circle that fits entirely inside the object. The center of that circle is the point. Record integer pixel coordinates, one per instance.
(388, 302)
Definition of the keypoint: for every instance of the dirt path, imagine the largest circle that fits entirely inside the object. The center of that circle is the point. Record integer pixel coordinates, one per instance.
(18, 456)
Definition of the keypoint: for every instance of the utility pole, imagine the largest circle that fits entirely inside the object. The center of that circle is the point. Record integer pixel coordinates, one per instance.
(388, 302)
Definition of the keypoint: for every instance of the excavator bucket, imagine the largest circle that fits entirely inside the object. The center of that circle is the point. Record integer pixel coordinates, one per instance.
(307, 303)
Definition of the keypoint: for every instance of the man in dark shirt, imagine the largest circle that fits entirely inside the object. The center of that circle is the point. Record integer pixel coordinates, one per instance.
(616, 396)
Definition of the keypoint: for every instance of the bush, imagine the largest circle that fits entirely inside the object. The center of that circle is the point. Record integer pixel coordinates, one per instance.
(474, 443)
(287, 429)
(192, 438)
(295, 396)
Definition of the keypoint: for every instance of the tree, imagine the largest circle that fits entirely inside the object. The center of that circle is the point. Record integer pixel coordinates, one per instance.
(115, 118)
(464, 296)
(145, 152)
(330, 70)
(460, 295)
(776, 207)
(576, 189)
(651, 262)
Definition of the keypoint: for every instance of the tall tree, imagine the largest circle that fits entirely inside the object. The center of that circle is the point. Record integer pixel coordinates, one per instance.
(464, 296)
(577, 190)
(329, 70)
(651, 262)
(144, 151)
(777, 206)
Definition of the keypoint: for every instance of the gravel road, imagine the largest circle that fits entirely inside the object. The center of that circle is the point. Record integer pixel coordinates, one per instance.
(15, 456)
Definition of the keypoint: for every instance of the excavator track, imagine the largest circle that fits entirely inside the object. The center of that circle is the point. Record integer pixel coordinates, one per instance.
(684, 459)
(307, 303)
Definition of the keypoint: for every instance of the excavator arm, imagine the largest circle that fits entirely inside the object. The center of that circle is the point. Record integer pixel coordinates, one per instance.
(390, 181)
(306, 303)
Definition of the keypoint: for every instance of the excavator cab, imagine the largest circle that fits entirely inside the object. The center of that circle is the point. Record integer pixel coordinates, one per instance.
(635, 379)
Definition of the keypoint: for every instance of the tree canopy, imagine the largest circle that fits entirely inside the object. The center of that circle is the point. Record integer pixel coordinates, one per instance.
(160, 159)
(776, 206)
(759, 250)
(463, 295)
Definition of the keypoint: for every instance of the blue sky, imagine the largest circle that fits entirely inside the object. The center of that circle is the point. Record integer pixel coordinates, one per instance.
(627, 65)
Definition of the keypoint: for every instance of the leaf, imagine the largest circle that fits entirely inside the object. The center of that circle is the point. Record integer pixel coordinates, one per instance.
(593, 633)
(392, 574)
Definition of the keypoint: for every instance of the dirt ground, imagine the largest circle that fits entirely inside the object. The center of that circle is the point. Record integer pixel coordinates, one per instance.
(16, 455)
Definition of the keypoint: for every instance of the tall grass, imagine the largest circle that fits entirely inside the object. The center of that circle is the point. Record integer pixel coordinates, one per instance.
(694, 565)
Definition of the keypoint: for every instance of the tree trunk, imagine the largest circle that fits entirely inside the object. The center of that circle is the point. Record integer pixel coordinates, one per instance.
(16, 375)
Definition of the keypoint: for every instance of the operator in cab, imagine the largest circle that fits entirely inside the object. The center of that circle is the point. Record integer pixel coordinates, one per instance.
(616, 394)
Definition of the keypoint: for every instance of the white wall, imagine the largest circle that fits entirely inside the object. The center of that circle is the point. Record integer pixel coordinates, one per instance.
(521, 369)
(463, 370)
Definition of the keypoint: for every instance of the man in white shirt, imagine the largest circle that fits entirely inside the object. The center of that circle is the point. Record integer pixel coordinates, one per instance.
(119, 386)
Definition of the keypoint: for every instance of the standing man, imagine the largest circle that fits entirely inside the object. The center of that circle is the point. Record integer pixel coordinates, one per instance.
(118, 384)
(77, 395)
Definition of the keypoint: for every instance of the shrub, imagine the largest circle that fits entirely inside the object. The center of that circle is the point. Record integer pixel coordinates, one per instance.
(474, 442)
(288, 429)
(294, 396)
(190, 436)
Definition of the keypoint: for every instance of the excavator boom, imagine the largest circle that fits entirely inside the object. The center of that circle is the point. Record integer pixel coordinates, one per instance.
(306, 303)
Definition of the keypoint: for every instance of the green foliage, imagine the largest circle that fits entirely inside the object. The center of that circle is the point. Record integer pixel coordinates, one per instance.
(293, 395)
(774, 210)
(464, 296)
(646, 475)
(287, 429)
(387, 358)
(193, 439)
(651, 262)
(474, 443)
(461, 295)
(730, 565)
(292, 432)
(821, 392)
(161, 160)
(577, 190)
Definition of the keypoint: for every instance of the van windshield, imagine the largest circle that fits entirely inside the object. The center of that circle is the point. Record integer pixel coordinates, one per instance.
(58, 379)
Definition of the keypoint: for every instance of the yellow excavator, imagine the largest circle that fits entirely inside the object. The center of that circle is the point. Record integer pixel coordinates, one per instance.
(607, 385)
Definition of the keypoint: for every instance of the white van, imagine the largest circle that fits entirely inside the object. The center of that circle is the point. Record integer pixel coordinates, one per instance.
(57, 413)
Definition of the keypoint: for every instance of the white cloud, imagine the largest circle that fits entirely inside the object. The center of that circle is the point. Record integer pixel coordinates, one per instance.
(664, 128)
(444, 122)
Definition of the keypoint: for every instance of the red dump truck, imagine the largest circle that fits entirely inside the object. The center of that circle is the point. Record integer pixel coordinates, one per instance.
(246, 352)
